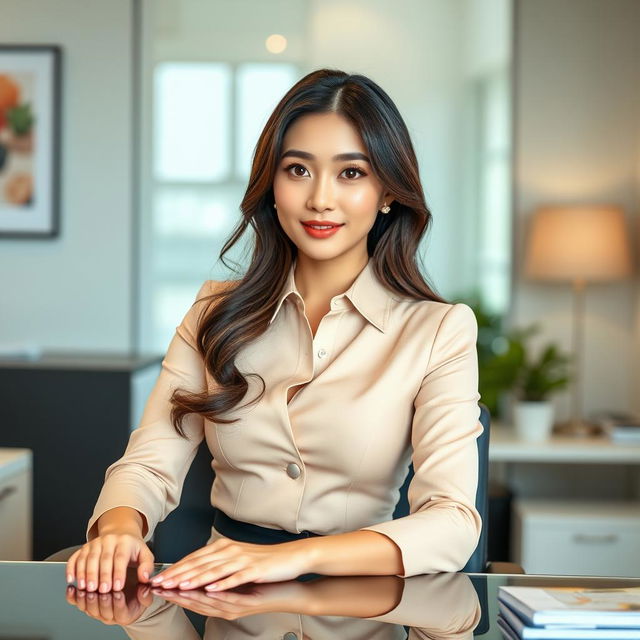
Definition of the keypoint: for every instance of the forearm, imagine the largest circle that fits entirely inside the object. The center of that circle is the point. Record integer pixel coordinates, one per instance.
(121, 520)
(356, 597)
(356, 553)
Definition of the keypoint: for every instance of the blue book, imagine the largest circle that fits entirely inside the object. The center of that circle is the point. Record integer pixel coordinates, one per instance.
(574, 607)
(514, 628)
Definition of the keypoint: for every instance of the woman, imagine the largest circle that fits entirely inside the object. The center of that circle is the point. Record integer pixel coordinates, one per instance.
(316, 378)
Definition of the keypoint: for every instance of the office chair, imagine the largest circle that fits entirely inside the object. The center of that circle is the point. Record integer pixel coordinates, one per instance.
(188, 527)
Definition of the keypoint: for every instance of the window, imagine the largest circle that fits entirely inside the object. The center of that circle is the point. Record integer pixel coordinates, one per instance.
(494, 192)
(207, 117)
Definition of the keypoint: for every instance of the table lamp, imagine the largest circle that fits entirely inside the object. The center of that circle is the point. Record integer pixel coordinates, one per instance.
(578, 244)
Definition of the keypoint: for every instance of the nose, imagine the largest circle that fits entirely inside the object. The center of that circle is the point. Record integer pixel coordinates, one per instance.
(321, 196)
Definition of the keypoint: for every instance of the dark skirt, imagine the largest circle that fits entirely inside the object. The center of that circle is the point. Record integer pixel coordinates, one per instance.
(247, 532)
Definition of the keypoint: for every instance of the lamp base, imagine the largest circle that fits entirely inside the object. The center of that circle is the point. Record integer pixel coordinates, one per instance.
(577, 428)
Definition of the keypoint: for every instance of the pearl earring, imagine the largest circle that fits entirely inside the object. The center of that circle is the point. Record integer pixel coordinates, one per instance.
(385, 209)
(274, 205)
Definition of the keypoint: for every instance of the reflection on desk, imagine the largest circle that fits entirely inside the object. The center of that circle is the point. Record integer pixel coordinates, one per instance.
(446, 605)
(435, 606)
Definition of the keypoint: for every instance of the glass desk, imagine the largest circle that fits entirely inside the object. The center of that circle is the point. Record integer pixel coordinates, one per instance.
(35, 604)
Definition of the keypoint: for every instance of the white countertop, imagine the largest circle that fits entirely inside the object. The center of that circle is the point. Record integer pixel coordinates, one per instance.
(505, 446)
(14, 460)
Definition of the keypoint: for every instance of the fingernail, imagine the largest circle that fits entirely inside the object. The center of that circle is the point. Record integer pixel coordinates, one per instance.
(186, 583)
(168, 583)
(81, 585)
(116, 585)
(91, 586)
(145, 575)
(211, 587)
(157, 580)
(69, 578)
(104, 587)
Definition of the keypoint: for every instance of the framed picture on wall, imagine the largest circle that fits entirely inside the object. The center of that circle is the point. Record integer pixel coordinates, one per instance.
(29, 141)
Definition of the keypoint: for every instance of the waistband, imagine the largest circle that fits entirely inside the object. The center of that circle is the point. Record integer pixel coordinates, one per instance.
(248, 532)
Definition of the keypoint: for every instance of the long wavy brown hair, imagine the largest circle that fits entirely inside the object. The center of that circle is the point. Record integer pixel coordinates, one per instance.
(239, 313)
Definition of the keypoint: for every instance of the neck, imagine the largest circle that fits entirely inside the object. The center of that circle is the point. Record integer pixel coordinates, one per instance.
(320, 280)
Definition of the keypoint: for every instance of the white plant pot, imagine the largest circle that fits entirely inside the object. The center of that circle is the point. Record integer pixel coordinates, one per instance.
(533, 421)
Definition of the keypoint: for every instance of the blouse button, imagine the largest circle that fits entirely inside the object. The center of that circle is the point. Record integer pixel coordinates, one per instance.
(289, 636)
(322, 353)
(293, 470)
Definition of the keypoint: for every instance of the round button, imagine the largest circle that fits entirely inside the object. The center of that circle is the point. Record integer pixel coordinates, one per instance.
(322, 353)
(293, 470)
(289, 636)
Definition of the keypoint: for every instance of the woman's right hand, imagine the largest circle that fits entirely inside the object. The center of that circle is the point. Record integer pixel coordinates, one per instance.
(101, 564)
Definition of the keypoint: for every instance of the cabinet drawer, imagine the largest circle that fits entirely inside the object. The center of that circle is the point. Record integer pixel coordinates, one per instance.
(577, 539)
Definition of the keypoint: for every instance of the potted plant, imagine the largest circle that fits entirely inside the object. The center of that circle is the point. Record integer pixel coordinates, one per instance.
(535, 380)
(507, 368)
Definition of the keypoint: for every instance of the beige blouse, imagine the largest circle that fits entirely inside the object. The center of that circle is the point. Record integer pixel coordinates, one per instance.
(386, 380)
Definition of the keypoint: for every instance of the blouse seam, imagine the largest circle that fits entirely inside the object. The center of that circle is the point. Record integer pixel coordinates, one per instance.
(435, 339)
(235, 507)
(222, 449)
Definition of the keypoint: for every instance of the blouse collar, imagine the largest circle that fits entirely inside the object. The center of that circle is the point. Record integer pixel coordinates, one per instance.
(367, 294)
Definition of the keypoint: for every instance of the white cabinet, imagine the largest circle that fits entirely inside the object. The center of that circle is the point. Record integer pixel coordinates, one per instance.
(16, 538)
(577, 537)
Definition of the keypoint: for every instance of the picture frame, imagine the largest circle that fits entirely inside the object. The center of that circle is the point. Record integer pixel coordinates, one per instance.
(30, 106)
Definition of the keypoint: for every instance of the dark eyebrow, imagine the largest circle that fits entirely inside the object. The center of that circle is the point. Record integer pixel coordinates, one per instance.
(296, 153)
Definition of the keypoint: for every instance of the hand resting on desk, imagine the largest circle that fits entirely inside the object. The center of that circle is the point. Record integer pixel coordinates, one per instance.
(103, 562)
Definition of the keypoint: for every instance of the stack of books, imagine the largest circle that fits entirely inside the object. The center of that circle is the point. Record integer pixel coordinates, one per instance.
(569, 612)
(622, 428)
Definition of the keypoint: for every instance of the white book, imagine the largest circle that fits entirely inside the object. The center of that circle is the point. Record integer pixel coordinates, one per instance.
(574, 606)
(514, 627)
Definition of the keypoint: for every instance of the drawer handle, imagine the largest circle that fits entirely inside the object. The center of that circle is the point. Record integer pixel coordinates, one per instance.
(6, 492)
(584, 538)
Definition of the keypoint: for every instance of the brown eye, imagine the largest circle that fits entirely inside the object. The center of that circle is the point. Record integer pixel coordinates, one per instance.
(295, 166)
(353, 170)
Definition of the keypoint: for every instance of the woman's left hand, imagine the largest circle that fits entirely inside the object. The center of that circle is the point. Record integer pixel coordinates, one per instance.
(226, 563)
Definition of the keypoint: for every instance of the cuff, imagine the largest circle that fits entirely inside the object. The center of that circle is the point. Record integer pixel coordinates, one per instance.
(433, 540)
(125, 493)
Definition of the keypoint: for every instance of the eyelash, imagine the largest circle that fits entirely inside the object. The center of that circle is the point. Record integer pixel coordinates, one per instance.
(354, 168)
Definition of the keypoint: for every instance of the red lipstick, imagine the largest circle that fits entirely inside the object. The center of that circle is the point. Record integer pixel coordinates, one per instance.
(321, 228)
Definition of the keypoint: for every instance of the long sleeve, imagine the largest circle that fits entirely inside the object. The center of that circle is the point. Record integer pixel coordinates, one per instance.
(443, 527)
(150, 474)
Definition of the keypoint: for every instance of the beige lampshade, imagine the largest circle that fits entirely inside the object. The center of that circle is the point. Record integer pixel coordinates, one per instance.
(570, 243)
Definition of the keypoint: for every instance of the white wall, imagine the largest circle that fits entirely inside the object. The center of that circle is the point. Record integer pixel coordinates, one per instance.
(576, 124)
(576, 140)
(420, 52)
(78, 291)
(74, 291)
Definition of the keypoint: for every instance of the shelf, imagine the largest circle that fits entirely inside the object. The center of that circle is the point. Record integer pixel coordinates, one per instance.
(505, 446)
